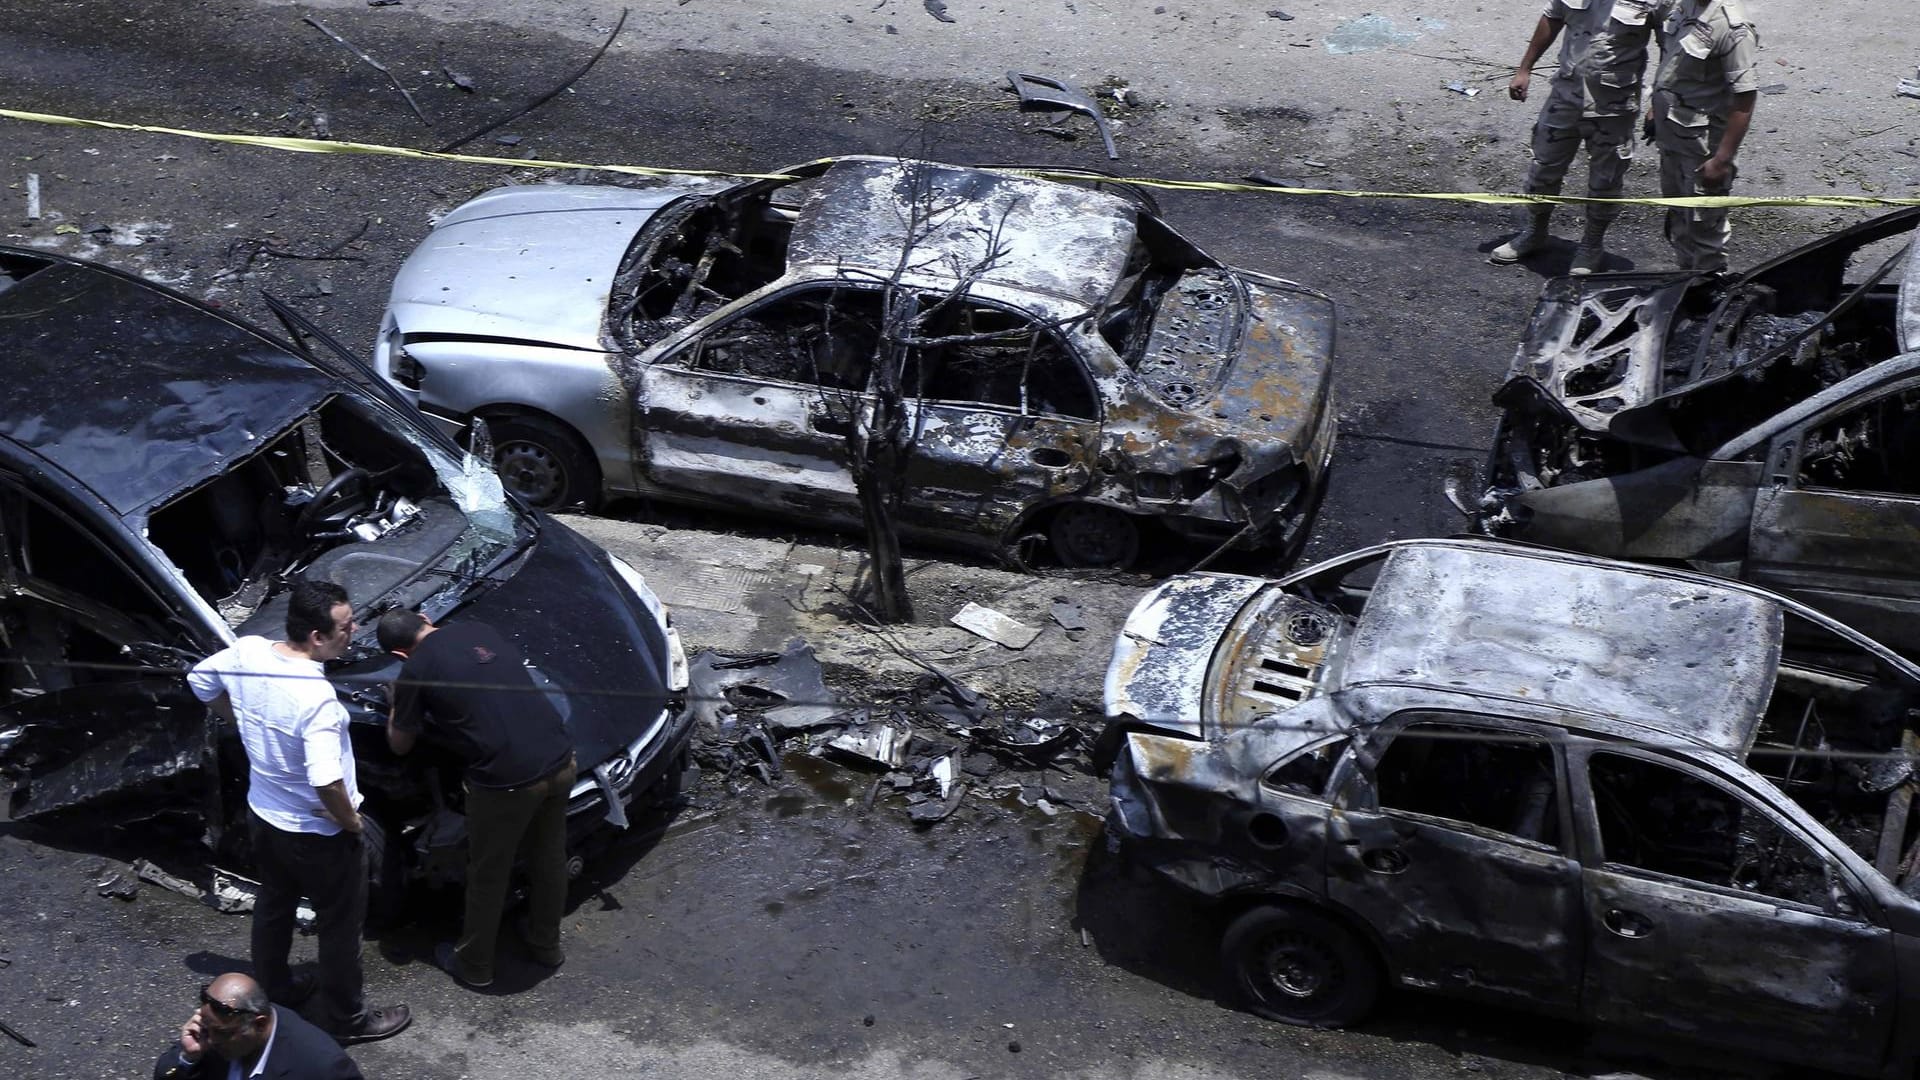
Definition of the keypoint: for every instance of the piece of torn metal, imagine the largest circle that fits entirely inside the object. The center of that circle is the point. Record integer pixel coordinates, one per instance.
(1044, 94)
(995, 627)
(119, 885)
(148, 872)
(929, 812)
(233, 894)
(10, 1033)
(880, 744)
(943, 773)
(1908, 88)
(790, 683)
(937, 9)
(1068, 615)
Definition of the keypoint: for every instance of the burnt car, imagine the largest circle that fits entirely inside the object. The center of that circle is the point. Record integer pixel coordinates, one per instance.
(166, 469)
(1073, 371)
(1764, 426)
(1633, 796)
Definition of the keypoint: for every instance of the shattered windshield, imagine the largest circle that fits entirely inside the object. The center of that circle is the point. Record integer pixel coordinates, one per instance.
(347, 494)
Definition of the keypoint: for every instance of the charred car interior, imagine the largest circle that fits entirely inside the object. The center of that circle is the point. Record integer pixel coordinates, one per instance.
(142, 532)
(1080, 379)
(1758, 426)
(1505, 773)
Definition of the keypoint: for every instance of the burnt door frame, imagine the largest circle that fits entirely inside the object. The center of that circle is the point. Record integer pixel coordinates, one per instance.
(1743, 969)
(1853, 554)
(1460, 907)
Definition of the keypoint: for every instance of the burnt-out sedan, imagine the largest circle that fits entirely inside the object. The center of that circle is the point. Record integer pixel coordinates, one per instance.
(165, 470)
(1634, 796)
(1764, 426)
(1072, 372)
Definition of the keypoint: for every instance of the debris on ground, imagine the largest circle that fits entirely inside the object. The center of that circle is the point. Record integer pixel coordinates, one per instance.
(879, 744)
(994, 626)
(1908, 88)
(10, 1033)
(786, 690)
(523, 110)
(148, 872)
(459, 80)
(1043, 94)
(235, 895)
(1470, 91)
(1067, 614)
(937, 9)
(33, 196)
(119, 885)
(1276, 13)
(371, 62)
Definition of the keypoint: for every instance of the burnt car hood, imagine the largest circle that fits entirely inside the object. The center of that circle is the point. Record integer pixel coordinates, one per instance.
(1594, 347)
(1243, 351)
(592, 645)
(533, 263)
(1210, 655)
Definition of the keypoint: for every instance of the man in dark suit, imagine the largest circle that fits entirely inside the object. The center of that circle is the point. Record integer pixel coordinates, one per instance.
(236, 1025)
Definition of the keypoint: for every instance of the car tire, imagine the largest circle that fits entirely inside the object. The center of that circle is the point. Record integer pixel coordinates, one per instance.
(544, 463)
(1093, 537)
(1299, 966)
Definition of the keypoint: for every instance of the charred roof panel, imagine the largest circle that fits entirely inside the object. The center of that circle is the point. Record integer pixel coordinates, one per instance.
(1672, 654)
(133, 391)
(1052, 237)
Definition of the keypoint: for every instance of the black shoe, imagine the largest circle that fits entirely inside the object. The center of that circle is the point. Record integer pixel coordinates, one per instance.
(378, 1024)
(299, 989)
(448, 961)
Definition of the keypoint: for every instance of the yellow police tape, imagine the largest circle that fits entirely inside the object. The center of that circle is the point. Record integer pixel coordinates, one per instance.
(327, 146)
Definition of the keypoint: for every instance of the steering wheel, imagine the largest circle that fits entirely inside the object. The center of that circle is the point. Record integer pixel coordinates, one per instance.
(334, 502)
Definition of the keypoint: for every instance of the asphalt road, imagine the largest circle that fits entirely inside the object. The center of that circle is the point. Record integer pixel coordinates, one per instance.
(784, 932)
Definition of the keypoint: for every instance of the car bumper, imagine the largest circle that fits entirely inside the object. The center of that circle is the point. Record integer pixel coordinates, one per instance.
(601, 796)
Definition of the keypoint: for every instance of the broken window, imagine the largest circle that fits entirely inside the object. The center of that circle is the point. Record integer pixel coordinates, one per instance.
(999, 358)
(1872, 447)
(694, 257)
(817, 336)
(1657, 818)
(1309, 771)
(1493, 779)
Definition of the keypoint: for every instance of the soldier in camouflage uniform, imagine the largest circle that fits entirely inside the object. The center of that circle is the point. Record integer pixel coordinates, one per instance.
(1702, 104)
(1593, 101)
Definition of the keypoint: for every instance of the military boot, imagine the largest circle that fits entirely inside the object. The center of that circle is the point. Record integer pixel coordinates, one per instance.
(1591, 255)
(1532, 239)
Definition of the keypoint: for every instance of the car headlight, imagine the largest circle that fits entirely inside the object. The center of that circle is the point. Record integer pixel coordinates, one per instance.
(677, 677)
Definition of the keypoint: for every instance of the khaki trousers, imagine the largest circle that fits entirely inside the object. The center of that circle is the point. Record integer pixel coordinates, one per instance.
(526, 824)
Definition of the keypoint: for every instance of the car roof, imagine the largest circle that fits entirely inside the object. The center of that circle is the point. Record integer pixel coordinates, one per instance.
(1675, 654)
(1051, 237)
(134, 391)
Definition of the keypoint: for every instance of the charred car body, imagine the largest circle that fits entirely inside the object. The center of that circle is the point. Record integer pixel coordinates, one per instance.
(1077, 369)
(1630, 795)
(166, 469)
(1765, 426)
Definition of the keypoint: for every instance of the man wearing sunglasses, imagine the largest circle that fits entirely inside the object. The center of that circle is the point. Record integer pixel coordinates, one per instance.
(235, 1034)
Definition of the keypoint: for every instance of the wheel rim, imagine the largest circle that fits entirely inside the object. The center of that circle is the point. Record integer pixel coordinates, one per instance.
(1095, 536)
(1294, 972)
(531, 471)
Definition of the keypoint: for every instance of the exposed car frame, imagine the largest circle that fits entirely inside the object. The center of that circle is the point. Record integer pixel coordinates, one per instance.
(1088, 372)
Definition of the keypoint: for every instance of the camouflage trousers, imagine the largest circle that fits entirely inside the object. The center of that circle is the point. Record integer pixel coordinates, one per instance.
(1699, 237)
(1609, 143)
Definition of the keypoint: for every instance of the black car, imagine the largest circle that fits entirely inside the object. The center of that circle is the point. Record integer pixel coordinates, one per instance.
(166, 470)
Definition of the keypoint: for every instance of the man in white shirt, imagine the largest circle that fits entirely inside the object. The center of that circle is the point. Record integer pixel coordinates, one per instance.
(304, 802)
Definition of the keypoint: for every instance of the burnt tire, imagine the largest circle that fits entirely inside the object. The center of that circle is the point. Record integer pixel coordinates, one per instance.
(544, 463)
(1089, 536)
(1298, 966)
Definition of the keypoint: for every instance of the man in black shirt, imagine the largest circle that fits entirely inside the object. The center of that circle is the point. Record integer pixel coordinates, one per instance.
(468, 685)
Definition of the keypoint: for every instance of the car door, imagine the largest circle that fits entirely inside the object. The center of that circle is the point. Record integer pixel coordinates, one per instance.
(1838, 522)
(1003, 415)
(1709, 915)
(95, 712)
(1453, 846)
(756, 409)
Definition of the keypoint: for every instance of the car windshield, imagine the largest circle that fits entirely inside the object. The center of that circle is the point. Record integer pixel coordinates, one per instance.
(347, 493)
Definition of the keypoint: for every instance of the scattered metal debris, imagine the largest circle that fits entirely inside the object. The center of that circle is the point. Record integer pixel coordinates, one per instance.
(233, 894)
(994, 626)
(785, 690)
(33, 196)
(877, 744)
(1276, 13)
(937, 9)
(543, 98)
(1774, 88)
(1044, 94)
(1465, 90)
(375, 64)
(249, 250)
(147, 871)
(1908, 88)
(458, 80)
(931, 811)
(7, 1030)
(382, 3)
(119, 885)
(1067, 614)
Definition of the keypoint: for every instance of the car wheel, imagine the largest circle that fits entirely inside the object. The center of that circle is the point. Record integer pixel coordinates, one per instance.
(544, 463)
(1299, 967)
(1090, 536)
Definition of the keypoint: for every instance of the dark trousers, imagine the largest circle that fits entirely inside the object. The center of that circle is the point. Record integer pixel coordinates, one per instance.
(331, 871)
(527, 824)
